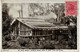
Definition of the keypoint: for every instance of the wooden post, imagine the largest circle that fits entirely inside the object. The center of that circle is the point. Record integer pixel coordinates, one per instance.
(31, 33)
(19, 27)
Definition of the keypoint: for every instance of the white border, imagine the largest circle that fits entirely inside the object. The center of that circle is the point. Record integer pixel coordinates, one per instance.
(38, 50)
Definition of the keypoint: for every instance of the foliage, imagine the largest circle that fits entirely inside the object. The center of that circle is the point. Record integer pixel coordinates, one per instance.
(6, 28)
(23, 41)
(44, 9)
(6, 20)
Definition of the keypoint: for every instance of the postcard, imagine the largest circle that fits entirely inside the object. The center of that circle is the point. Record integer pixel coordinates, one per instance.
(39, 25)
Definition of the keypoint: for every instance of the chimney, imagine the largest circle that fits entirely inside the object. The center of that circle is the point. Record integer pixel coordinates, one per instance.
(21, 11)
(19, 14)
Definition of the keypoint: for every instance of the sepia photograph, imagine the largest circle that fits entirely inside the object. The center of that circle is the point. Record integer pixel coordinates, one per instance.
(38, 26)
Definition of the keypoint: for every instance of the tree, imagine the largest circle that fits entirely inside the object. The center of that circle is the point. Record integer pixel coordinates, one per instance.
(6, 20)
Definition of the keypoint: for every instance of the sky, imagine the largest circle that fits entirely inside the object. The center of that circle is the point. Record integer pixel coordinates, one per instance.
(15, 8)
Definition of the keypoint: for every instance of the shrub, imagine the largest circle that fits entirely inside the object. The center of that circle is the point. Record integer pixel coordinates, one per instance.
(23, 41)
(7, 37)
(49, 46)
(4, 44)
